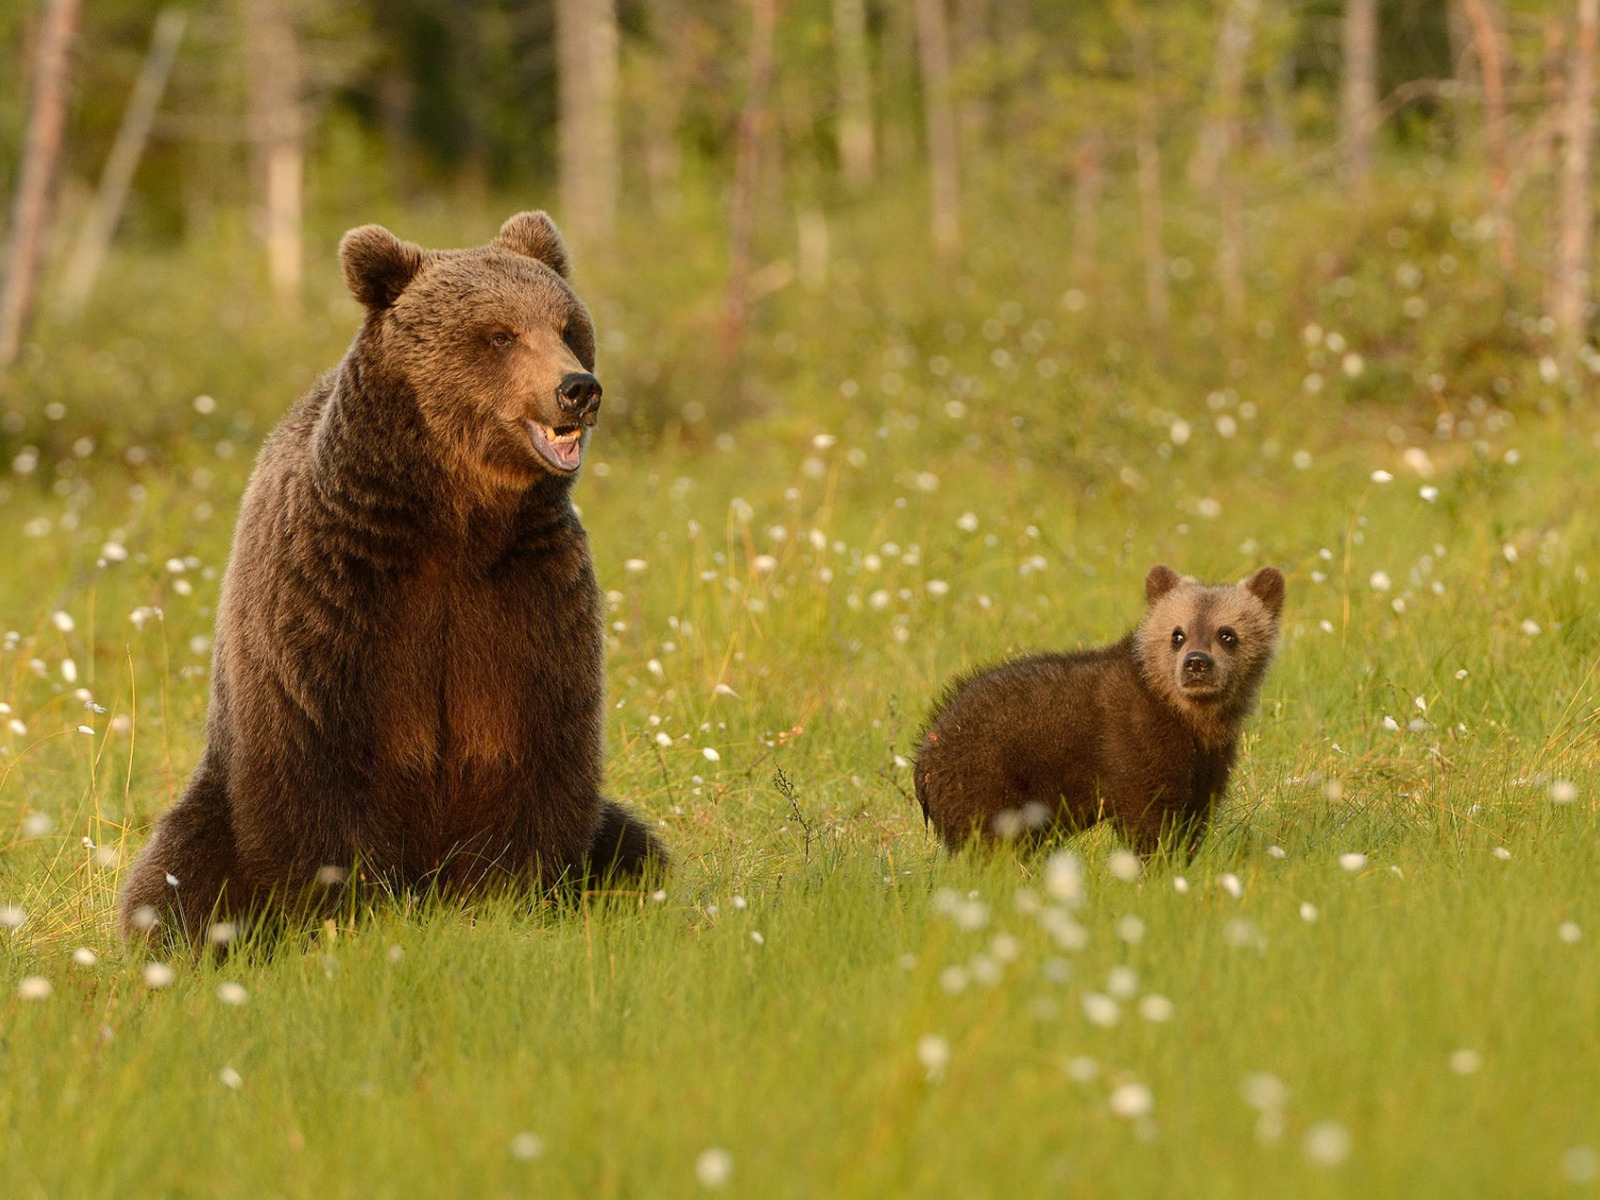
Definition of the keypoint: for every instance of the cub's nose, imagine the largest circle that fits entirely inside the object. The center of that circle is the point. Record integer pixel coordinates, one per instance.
(579, 395)
(1196, 665)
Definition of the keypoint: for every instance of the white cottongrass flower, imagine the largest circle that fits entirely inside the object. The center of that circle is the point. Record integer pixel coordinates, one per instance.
(1581, 1164)
(1569, 932)
(1563, 791)
(1101, 1010)
(764, 564)
(85, 957)
(933, 1052)
(37, 824)
(758, 937)
(158, 975)
(1156, 1008)
(967, 522)
(35, 987)
(1352, 861)
(17, 726)
(1428, 492)
(1308, 912)
(12, 916)
(953, 979)
(1382, 477)
(1081, 1069)
(1122, 983)
(635, 565)
(1531, 628)
(1131, 1100)
(1465, 1062)
(1180, 885)
(1063, 877)
(1327, 1143)
(1230, 883)
(1262, 1090)
(1501, 853)
(1277, 852)
(937, 588)
(1379, 581)
(710, 755)
(1124, 865)
(714, 1167)
(230, 1078)
(232, 993)
(526, 1146)
(1390, 724)
(1131, 929)
(63, 621)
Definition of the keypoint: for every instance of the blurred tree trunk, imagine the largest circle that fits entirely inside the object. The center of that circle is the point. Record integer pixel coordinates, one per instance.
(277, 136)
(1358, 90)
(1575, 222)
(747, 170)
(973, 20)
(1213, 164)
(1147, 150)
(933, 49)
(1088, 180)
(31, 209)
(587, 43)
(1486, 43)
(857, 149)
(117, 177)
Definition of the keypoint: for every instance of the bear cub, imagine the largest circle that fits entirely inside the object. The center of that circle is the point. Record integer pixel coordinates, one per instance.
(408, 673)
(1142, 733)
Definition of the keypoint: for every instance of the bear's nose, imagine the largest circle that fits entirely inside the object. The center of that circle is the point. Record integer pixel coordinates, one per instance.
(579, 394)
(1196, 664)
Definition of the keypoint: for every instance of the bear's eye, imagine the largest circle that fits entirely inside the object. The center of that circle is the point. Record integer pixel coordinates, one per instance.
(1227, 637)
(500, 339)
(1177, 638)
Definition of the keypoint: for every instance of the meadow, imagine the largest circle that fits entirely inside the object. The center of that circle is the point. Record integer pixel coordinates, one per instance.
(1377, 978)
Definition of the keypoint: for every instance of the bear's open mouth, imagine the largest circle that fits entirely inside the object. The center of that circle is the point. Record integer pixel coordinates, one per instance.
(559, 445)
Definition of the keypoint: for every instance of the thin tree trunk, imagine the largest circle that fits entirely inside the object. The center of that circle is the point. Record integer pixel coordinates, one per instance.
(747, 170)
(1220, 133)
(1358, 90)
(972, 39)
(31, 209)
(277, 127)
(588, 42)
(117, 178)
(933, 48)
(1148, 152)
(1486, 41)
(1088, 179)
(1576, 218)
(857, 145)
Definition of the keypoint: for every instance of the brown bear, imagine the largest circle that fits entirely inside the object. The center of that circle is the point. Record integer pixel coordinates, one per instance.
(1142, 732)
(407, 679)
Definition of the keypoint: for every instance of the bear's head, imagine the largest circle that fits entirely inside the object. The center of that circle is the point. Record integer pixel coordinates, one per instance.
(1206, 649)
(492, 342)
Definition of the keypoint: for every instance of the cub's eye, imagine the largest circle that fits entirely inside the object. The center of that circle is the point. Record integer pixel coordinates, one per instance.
(500, 339)
(1177, 638)
(1228, 637)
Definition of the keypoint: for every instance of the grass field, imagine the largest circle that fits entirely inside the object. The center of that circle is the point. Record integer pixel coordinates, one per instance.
(1378, 978)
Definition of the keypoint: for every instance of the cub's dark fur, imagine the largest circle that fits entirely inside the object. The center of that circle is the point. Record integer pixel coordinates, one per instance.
(1142, 733)
(408, 675)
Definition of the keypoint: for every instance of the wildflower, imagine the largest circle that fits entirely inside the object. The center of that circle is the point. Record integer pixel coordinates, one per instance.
(1352, 861)
(1465, 1062)
(1382, 477)
(1180, 885)
(158, 975)
(953, 979)
(1063, 877)
(1131, 1100)
(1501, 853)
(709, 754)
(1124, 865)
(1101, 1010)
(1230, 883)
(230, 1078)
(1327, 1143)
(967, 522)
(1308, 912)
(714, 1167)
(1130, 929)
(63, 621)
(1156, 1009)
(525, 1147)
(1581, 1164)
(1379, 581)
(635, 565)
(12, 916)
(232, 993)
(85, 957)
(1569, 932)
(1563, 791)
(933, 1052)
(35, 987)
(37, 824)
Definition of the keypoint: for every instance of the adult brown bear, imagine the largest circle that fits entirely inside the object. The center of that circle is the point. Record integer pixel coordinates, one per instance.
(408, 672)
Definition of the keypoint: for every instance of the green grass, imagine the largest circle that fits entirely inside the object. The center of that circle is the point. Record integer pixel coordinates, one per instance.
(402, 1053)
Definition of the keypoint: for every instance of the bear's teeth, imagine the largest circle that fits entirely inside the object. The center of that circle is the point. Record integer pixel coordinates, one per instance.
(555, 437)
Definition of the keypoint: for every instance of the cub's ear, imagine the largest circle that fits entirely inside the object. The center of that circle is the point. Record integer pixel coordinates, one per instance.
(1159, 582)
(1266, 585)
(535, 235)
(377, 265)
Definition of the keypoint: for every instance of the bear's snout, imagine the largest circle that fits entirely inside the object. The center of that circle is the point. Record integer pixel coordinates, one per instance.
(1197, 665)
(579, 393)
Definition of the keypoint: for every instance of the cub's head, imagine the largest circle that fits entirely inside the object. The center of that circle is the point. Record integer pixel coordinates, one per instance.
(494, 344)
(1205, 650)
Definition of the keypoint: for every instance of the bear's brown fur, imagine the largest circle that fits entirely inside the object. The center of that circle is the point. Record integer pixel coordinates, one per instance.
(408, 671)
(1142, 732)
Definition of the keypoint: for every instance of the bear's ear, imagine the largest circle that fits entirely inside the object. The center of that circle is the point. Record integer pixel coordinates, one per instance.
(1266, 585)
(377, 265)
(1159, 582)
(535, 235)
